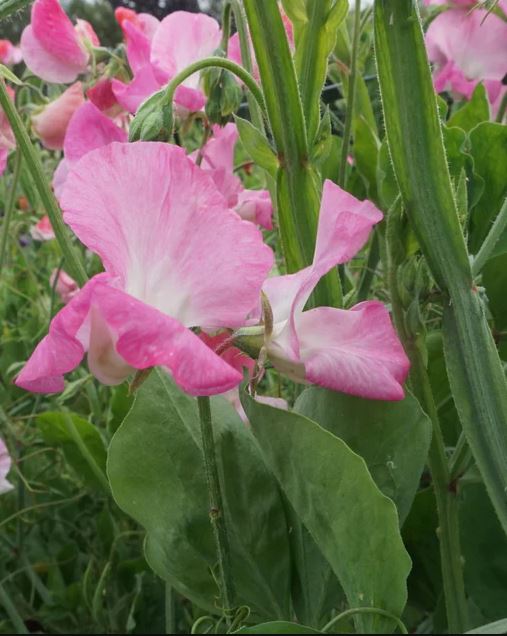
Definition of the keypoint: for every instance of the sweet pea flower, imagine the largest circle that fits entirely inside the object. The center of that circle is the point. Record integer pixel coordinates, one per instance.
(65, 286)
(218, 159)
(467, 49)
(152, 217)
(5, 466)
(9, 54)
(51, 123)
(466, 3)
(144, 22)
(7, 139)
(354, 351)
(102, 96)
(179, 40)
(53, 49)
(88, 129)
(42, 230)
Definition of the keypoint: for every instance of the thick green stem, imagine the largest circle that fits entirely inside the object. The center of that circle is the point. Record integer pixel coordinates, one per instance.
(445, 495)
(16, 620)
(8, 7)
(170, 618)
(351, 94)
(216, 512)
(491, 240)
(415, 141)
(74, 263)
(9, 209)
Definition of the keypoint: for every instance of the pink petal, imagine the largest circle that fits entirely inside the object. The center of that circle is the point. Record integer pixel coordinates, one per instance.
(181, 39)
(138, 47)
(256, 206)
(219, 150)
(42, 230)
(65, 286)
(120, 334)
(101, 94)
(51, 124)
(132, 95)
(191, 99)
(9, 54)
(159, 224)
(86, 32)
(355, 351)
(4, 155)
(89, 129)
(59, 177)
(5, 466)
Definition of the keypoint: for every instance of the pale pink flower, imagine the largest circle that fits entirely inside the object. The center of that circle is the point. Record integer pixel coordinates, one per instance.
(9, 54)
(51, 123)
(175, 257)
(466, 49)
(465, 3)
(218, 160)
(52, 47)
(5, 466)
(88, 129)
(7, 139)
(65, 286)
(179, 40)
(354, 351)
(42, 230)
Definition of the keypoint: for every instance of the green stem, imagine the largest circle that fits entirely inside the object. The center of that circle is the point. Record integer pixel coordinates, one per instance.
(209, 62)
(170, 618)
(364, 610)
(368, 273)
(491, 240)
(75, 265)
(501, 110)
(447, 504)
(217, 511)
(16, 620)
(460, 459)
(87, 456)
(9, 208)
(8, 7)
(351, 95)
(226, 27)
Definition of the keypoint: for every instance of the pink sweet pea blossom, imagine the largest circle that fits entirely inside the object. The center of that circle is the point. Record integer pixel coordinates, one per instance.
(218, 160)
(42, 230)
(51, 123)
(9, 54)
(144, 22)
(52, 47)
(466, 3)
(87, 130)
(7, 139)
(101, 94)
(179, 40)
(467, 49)
(152, 217)
(355, 351)
(5, 466)
(65, 286)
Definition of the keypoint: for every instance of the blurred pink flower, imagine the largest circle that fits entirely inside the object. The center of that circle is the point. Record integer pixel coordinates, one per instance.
(152, 217)
(465, 3)
(355, 351)
(9, 54)
(52, 48)
(42, 230)
(7, 139)
(179, 40)
(51, 123)
(5, 466)
(65, 286)
(218, 160)
(466, 49)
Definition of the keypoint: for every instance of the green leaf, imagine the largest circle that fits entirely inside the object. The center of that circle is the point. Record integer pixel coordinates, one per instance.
(489, 151)
(9, 75)
(473, 112)
(393, 438)
(498, 627)
(257, 146)
(335, 497)
(156, 471)
(90, 465)
(366, 152)
(277, 627)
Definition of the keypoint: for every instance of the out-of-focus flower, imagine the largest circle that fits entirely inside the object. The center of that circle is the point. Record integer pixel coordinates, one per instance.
(7, 139)
(52, 48)
(175, 257)
(179, 40)
(218, 159)
(42, 230)
(466, 48)
(65, 286)
(355, 351)
(9, 54)
(5, 466)
(466, 3)
(50, 124)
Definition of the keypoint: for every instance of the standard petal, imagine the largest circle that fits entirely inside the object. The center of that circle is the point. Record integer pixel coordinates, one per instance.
(51, 124)
(90, 129)
(353, 351)
(138, 46)
(160, 225)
